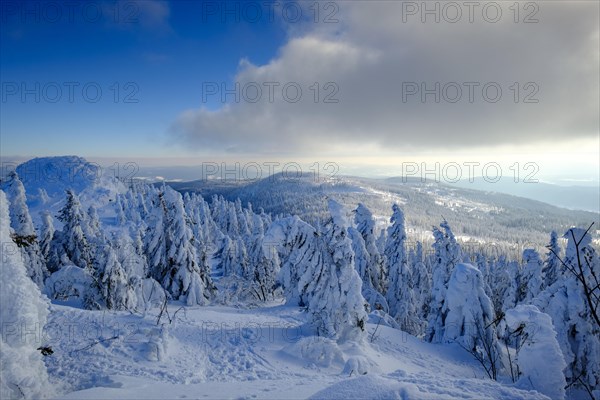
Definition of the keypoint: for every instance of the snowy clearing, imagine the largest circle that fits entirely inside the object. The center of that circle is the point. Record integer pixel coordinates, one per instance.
(225, 352)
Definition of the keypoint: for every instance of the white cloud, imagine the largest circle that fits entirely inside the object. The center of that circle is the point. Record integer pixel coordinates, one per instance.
(371, 53)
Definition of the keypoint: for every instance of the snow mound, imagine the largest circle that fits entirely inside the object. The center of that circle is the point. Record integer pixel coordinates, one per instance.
(422, 387)
(68, 283)
(316, 351)
(357, 365)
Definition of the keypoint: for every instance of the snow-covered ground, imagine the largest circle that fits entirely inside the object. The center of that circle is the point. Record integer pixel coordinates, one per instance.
(226, 352)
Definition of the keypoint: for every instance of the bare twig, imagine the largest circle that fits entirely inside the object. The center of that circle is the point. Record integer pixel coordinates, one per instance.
(376, 327)
(93, 344)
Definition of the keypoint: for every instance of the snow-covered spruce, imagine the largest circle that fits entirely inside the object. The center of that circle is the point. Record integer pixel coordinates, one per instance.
(46, 236)
(297, 247)
(24, 234)
(264, 263)
(172, 252)
(400, 293)
(552, 269)
(332, 287)
(421, 278)
(71, 239)
(23, 373)
(532, 275)
(362, 262)
(447, 254)
(117, 292)
(375, 268)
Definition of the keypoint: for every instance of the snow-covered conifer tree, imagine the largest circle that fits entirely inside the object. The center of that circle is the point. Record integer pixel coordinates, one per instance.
(516, 290)
(365, 225)
(43, 196)
(552, 268)
(182, 275)
(362, 261)
(333, 287)
(532, 274)
(242, 262)
(468, 311)
(499, 283)
(297, 247)
(446, 255)
(118, 294)
(421, 280)
(156, 239)
(46, 236)
(400, 295)
(23, 373)
(24, 234)
(264, 263)
(72, 236)
(361, 257)
(120, 210)
(226, 256)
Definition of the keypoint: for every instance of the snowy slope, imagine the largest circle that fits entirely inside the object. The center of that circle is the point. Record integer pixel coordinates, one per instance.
(224, 352)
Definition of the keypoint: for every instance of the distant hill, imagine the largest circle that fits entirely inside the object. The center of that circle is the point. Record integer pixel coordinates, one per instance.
(573, 197)
(474, 214)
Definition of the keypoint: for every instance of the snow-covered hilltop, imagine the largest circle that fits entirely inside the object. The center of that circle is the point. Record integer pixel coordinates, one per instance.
(46, 179)
(158, 294)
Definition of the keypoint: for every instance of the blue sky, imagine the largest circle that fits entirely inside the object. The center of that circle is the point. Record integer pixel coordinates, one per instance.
(164, 54)
(379, 62)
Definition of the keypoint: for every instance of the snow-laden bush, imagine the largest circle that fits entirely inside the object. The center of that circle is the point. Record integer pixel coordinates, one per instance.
(357, 365)
(234, 290)
(69, 283)
(539, 360)
(148, 292)
(23, 310)
(468, 317)
(155, 349)
(316, 351)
